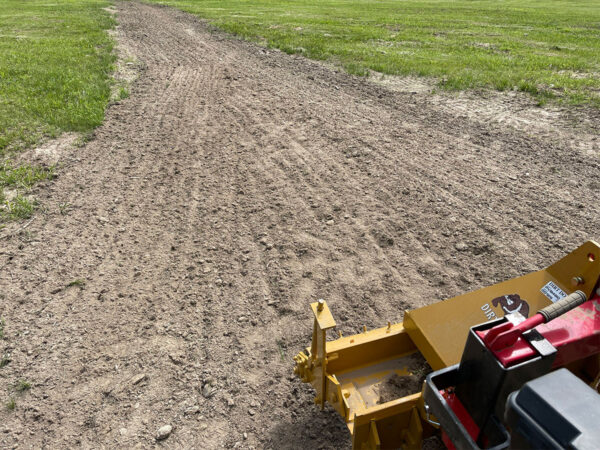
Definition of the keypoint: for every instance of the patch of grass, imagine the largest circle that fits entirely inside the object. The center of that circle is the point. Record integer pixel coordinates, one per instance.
(23, 177)
(123, 93)
(11, 404)
(83, 139)
(17, 208)
(19, 179)
(55, 64)
(281, 348)
(547, 48)
(78, 283)
(64, 208)
(22, 386)
(5, 361)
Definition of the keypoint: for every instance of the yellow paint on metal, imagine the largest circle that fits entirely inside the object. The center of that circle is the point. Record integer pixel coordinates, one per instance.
(347, 372)
(322, 315)
(440, 330)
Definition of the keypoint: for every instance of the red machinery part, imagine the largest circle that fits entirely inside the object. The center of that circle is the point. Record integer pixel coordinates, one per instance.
(462, 415)
(575, 335)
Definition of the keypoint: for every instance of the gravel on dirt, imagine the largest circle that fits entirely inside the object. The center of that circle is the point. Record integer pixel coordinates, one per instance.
(166, 280)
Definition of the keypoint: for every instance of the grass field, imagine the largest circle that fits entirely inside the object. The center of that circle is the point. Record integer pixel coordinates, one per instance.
(55, 64)
(549, 48)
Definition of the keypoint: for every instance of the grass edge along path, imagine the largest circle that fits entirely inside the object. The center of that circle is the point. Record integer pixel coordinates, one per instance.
(547, 48)
(56, 65)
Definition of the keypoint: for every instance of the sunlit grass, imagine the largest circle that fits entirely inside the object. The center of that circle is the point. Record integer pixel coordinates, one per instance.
(55, 65)
(548, 48)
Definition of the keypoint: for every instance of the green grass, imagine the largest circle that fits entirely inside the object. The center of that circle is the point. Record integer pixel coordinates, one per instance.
(20, 180)
(56, 61)
(23, 177)
(11, 404)
(55, 64)
(22, 386)
(4, 361)
(548, 48)
(77, 283)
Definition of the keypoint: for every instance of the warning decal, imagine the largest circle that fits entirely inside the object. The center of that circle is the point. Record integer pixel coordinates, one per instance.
(553, 292)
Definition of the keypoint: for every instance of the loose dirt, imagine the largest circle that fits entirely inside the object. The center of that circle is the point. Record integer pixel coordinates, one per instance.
(166, 278)
(398, 386)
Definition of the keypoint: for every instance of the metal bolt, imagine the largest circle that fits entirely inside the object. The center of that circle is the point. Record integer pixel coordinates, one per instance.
(576, 281)
(320, 305)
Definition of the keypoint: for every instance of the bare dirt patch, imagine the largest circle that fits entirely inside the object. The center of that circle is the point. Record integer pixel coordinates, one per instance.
(51, 151)
(233, 186)
(398, 386)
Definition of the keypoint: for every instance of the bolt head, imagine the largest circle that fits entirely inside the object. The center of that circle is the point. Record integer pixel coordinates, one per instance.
(576, 281)
(320, 305)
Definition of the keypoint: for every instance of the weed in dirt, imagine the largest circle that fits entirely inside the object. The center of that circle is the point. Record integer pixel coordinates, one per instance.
(22, 386)
(19, 179)
(281, 347)
(55, 63)
(2, 324)
(123, 93)
(18, 208)
(11, 404)
(545, 48)
(77, 283)
(64, 208)
(4, 361)
(83, 139)
(23, 177)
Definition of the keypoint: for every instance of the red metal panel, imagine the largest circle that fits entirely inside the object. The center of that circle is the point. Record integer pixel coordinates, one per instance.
(575, 335)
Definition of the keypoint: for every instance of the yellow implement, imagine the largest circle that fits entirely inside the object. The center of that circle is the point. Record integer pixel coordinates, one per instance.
(374, 379)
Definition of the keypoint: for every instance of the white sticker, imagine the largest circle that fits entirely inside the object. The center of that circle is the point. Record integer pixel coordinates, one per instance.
(553, 292)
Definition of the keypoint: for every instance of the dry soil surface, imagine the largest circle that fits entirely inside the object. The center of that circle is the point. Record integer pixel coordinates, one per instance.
(166, 278)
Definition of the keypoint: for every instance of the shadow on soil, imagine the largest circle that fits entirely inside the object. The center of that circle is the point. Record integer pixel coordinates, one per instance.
(311, 428)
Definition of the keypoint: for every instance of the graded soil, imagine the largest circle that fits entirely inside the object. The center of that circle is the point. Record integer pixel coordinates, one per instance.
(162, 288)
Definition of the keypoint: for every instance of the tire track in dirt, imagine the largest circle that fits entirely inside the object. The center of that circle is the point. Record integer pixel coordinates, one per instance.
(233, 187)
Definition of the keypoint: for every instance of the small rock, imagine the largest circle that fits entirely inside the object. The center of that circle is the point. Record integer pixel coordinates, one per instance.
(192, 410)
(251, 412)
(164, 432)
(330, 222)
(123, 431)
(103, 219)
(208, 391)
(230, 402)
(138, 378)
(461, 246)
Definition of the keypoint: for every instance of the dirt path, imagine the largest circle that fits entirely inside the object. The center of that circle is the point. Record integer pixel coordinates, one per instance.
(234, 186)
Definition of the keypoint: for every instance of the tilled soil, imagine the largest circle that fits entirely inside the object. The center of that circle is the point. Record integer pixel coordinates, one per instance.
(167, 276)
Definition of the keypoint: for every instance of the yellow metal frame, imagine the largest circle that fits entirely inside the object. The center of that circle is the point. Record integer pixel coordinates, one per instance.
(346, 372)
